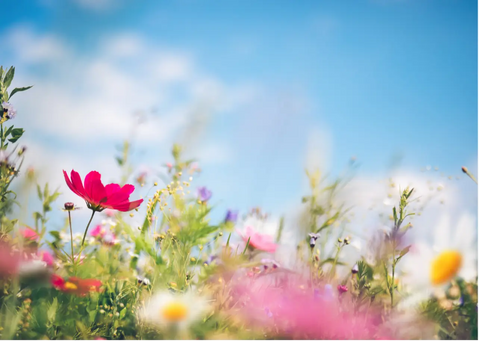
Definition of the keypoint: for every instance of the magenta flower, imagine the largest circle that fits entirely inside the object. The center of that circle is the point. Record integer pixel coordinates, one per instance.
(99, 197)
(342, 289)
(258, 241)
(47, 257)
(103, 235)
(29, 234)
(98, 231)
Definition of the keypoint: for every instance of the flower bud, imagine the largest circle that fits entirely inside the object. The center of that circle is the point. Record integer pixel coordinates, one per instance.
(69, 206)
(355, 269)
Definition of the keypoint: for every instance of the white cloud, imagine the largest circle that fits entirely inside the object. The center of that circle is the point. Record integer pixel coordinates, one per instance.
(29, 47)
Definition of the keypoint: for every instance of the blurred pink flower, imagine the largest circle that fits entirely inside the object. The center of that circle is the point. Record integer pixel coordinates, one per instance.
(29, 234)
(98, 231)
(291, 312)
(342, 289)
(106, 237)
(109, 212)
(258, 241)
(9, 260)
(47, 257)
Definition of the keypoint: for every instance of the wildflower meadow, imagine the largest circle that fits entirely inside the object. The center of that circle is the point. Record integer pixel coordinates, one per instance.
(182, 275)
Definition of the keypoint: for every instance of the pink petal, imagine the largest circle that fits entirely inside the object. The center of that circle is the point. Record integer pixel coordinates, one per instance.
(90, 178)
(97, 192)
(77, 183)
(70, 185)
(121, 196)
(112, 188)
(127, 206)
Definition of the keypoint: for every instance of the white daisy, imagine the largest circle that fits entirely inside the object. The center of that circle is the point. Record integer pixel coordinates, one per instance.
(166, 308)
(453, 253)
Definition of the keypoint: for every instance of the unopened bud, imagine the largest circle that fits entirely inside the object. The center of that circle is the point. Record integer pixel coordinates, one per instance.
(69, 206)
(355, 269)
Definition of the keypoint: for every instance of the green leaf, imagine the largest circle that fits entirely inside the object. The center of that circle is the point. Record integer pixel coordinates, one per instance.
(9, 77)
(46, 191)
(246, 246)
(331, 260)
(123, 312)
(228, 240)
(55, 234)
(403, 252)
(410, 193)
(8, 131)
(16, 134)
(19, 89)
(39, 192)
(52, 310)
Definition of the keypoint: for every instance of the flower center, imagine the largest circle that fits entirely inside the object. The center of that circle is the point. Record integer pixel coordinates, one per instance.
(174, 311)
(70, 286)
(445, 266)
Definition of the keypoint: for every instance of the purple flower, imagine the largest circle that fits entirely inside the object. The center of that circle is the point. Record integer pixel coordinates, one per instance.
(327, 294)
(204, 194)
(268, 312)
(355, 269)
(313, 238)
(270, 261)
(231, 216)
(8, 110)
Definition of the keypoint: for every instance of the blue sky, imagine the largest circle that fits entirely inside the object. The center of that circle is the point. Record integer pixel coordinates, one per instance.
(278, 85)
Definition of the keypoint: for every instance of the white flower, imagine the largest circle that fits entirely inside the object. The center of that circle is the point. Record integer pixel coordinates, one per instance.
(166, 308)
(453, 253)
(34, 268)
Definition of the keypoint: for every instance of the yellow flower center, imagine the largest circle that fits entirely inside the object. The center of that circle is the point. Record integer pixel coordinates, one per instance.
(70, 286)
(175, 311)
(445, 266)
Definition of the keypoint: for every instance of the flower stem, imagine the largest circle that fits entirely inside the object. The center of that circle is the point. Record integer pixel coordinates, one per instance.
(71, 235)
(88, 225)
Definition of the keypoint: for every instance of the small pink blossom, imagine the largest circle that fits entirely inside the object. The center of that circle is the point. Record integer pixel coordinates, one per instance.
(47, 257)
(106, 237)
(109, 212)
(342, 289)
(29, 234)
(98, 231)
(258, 241)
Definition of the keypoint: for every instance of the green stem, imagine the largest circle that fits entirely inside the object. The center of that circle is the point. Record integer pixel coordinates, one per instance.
(71, 234)
(334, 265)
(88, 225)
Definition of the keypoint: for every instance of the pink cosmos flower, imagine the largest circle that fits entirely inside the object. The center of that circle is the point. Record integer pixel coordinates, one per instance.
(29, 234)
(99, 197)
(258, 241)
(107, 237)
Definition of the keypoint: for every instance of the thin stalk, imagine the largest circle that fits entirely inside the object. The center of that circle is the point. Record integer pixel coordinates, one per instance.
(71, 234)
(334, 265)
(88, 225)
